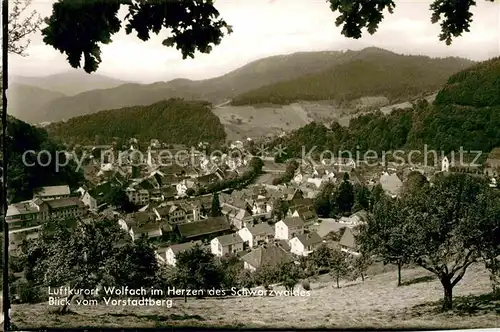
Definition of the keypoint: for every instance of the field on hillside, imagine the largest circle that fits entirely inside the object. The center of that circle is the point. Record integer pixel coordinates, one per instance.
(241, 122)
(375, 303)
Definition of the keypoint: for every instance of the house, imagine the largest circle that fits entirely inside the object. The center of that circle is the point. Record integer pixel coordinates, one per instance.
(210, 227)
(268, 255)
(89, 201)
(445, 165)
(304, 244)
(391, 184)
(52, 192)
(226, 244)
(327, 226)
(493, 162)
(356, 218)
(256, 235)
(288, 228)
(137, 197)
(172, 251)
(144, 223)
(151, 230)
(348, 241)
(33, 212)
(237, 217)
(183, 186)
(307, 214)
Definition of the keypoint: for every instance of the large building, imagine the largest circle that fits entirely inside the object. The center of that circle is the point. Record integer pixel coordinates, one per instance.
(33, 212)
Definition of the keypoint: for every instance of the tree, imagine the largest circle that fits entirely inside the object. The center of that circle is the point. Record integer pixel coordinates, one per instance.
(377, 194)
(85, 256)
(216, 209)
(345, 195)
(196, 268)
(118, 198)
(21, 25)
(323, 203)
(280, 209)
(266, 275)
(231, 266)
(246, 279)
(415, 181)
(384, 234)
(339, 266)
(190, 191)
(360, 264)
(289, 274)
(196, 26)
(446, 224)
(454, 17)
(363, 198)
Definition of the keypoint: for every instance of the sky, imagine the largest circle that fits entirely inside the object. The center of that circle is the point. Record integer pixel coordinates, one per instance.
(270, 27)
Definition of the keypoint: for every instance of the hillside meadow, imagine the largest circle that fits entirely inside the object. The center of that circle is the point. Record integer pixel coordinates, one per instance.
(374, 303)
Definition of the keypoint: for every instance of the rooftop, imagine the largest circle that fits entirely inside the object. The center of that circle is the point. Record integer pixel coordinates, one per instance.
(53, 191)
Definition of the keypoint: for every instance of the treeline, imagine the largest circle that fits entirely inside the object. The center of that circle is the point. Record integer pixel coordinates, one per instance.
(397, 77)
(173, 120)
(458, 215)
(466, 114)
(334, 201)
(292, 166)
(45, 165)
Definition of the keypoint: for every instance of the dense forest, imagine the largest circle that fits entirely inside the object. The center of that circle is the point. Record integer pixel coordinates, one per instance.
(466, 113)
(172, 121)
(35, 169)
(397, 77)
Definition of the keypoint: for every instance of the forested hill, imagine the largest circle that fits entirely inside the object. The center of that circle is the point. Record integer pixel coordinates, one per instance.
(173, 121)
(465, 114)
(24, 176)
(376, 73)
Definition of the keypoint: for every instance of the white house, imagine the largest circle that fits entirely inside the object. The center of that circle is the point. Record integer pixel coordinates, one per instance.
(256, 235)
(172, 251)
(445, 165)
(89, 201)
(304, 244)
(226, 244)
(183, 186)
(288, 228)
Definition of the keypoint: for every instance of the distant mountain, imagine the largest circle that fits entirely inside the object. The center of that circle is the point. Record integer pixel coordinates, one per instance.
(24, 100)
(171, 121)
(371, 72)
(302, 66)
(70, 83)
(215, 90)
(465, 116)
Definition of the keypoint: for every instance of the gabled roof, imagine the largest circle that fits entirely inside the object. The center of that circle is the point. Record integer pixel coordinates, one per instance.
(229, 239)
(270, 255)
(53, 191)
(309, 239)
(65, 202)
(391, 183)
(349, 238)
(177, 248)
(293, 222)
(204, 227)
(261, 229)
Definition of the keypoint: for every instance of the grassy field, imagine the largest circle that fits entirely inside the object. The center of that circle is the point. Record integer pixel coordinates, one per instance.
(376, 303)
